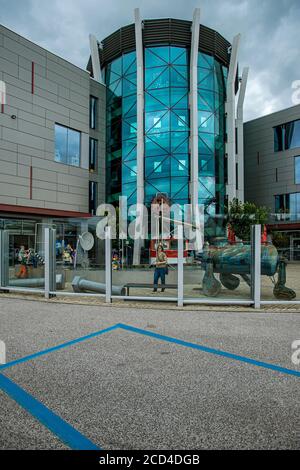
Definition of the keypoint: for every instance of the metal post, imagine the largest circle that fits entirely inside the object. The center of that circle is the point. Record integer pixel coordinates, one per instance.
(94, 47)
(240, 134)
(50, 262)
(108, 273)
(194, 134)
(4, 258)
(256, 265)
(230, 112)
(140, 123)
(180, 267)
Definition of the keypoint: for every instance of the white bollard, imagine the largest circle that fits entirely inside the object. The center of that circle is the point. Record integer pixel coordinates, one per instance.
(2, 352)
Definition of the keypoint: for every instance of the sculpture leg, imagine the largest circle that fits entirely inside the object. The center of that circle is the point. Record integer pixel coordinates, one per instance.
(229, 281)
(211, 286)
(280, 291)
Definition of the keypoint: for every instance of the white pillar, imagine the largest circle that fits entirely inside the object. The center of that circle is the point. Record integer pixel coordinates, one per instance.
(94, 47)
(140, 122)
(240, 134)
(230, 111)
(194, 133)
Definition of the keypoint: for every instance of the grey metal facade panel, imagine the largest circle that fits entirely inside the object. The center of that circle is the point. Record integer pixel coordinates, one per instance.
(163, 31)
(261, 161)
(61, 95)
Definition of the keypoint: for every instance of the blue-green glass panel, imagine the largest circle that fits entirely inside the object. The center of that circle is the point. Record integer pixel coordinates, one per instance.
(157, 167)
(206, 165)
(179, 142)
(207, 187)
(128, 189)
(206, 100)
(129, 128)
(179, 98)
(152, 60)
(179, 188)
(205, 60)
(206, 143)
(157, 144)
(159, 185)
(129, 149)
(116, 66)
(116, 89)
(129, 172)
(156, 100)
(206, 122)
(111, 78)
(157, 78)
(180, 165)
(162, 52)
(129, 87)
(129, 106)
(178, 56)
(205, 79)
(129, 63)
(179, 76)
(179, 120)
(157, 121)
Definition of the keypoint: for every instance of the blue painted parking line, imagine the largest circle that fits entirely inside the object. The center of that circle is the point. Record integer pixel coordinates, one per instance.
(64, 431)
(160, 337)
(216, 352)
(58, 347)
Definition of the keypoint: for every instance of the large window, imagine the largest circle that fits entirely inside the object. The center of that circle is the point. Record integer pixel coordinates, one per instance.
(297, 170)
(287, 136)
(93, 155)
(287, 206)
(93, 112)
(67, 145)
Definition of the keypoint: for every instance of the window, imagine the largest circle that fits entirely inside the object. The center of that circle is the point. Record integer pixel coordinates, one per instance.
(92, 197)
(93, 154)
(93, 112)
(67, 145)
(287, 207)
(287, 136)
(297, 170)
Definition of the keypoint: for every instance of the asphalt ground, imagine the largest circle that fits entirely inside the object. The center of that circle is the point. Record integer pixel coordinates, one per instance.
(125, 389)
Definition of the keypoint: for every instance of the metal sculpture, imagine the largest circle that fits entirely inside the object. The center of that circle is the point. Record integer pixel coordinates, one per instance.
(230, 260)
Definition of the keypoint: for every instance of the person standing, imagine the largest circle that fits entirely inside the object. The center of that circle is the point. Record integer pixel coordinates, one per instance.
(160, 268)
(23, 259)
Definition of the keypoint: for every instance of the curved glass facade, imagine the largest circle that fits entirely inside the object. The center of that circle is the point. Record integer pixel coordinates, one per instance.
(166, 128)
(166, 123)
(212, 77)
(121, 121)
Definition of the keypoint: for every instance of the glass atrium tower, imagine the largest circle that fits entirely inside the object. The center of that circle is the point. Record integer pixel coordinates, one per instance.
(173, 126)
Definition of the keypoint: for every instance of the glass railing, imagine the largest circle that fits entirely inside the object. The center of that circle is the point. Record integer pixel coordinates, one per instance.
(221, 272)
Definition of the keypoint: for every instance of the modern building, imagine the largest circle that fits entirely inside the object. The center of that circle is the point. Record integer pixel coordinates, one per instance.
(158, 111)
(52, 143)
(272, 169)
(172, 126)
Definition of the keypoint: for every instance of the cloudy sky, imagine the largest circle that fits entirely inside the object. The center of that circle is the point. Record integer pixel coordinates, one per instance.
(270, 34)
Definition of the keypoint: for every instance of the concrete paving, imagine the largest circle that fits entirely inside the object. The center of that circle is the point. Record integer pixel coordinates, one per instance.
(123, 390)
